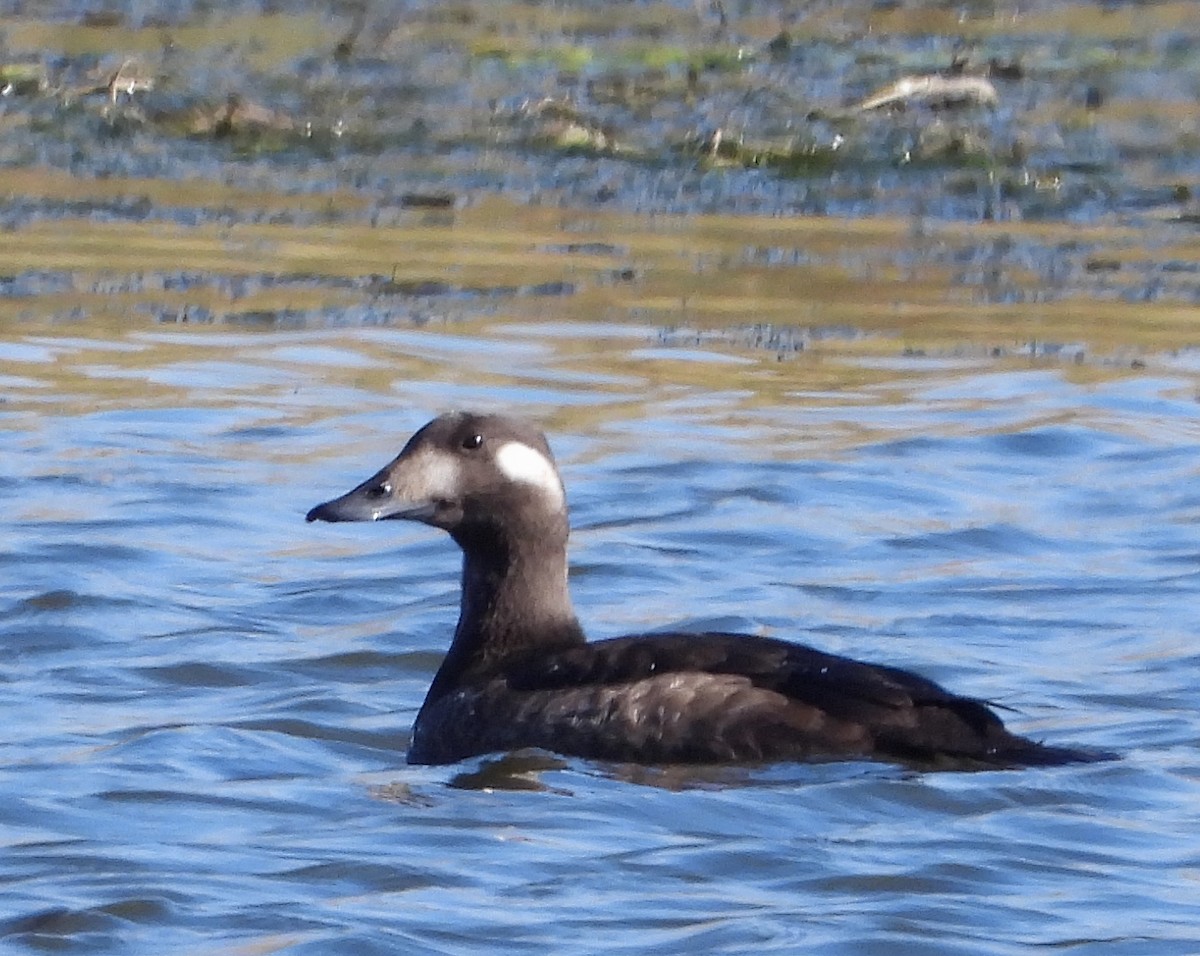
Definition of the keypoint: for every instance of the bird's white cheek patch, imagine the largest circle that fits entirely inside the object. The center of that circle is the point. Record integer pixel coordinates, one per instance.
(518, 462)
(437, 475)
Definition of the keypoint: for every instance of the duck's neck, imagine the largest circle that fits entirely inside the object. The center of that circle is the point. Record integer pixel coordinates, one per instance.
(512, 601)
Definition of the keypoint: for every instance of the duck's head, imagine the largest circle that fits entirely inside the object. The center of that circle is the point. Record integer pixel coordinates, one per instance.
(469, 474)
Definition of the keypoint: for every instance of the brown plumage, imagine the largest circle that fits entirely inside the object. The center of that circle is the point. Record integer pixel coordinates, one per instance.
(520, 674)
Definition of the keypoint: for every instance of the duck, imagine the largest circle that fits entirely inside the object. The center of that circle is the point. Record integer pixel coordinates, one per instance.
(520, 674)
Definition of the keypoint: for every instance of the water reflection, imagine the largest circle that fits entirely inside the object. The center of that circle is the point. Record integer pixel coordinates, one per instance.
(207, 706)
(521, 770)
(208, 711)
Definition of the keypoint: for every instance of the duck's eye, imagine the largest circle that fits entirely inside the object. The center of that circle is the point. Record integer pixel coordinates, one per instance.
(380, 491)
(471, 442)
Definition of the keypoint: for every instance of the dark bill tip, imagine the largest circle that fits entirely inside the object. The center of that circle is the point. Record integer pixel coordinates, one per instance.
(322, 512)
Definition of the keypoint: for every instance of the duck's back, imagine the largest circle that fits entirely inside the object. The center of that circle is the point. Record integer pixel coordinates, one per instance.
(713, 698)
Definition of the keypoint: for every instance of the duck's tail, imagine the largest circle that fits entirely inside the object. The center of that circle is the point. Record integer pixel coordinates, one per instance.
(1022, 752)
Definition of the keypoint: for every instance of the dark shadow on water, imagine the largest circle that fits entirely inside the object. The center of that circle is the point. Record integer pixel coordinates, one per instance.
(522, 771)
(519, 770)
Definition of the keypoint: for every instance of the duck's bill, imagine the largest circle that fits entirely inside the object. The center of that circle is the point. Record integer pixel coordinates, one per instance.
(376, 499)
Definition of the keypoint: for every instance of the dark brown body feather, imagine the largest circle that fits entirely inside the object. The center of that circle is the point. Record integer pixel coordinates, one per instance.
(716, 698)
(519, 673)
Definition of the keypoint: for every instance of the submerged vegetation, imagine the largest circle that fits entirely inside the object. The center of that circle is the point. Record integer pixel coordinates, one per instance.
(798, 92)
(1072, 129)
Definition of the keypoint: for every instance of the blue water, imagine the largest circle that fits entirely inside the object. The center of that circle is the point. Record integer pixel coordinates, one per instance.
(206, 702)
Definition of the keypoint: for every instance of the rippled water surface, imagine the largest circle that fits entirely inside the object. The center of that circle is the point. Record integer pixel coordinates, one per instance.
(207, 701)
(918, 386)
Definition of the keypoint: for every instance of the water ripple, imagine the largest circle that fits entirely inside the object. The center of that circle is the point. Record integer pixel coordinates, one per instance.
(208, 702)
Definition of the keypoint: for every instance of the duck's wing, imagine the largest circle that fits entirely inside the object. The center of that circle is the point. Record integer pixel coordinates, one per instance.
(904, 714)
(840, 686)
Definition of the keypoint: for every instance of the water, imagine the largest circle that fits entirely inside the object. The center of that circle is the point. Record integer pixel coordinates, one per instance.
(207, 701)
(928, 398)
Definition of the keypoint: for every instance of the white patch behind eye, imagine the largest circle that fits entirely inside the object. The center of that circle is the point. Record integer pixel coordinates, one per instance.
(518, 462)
